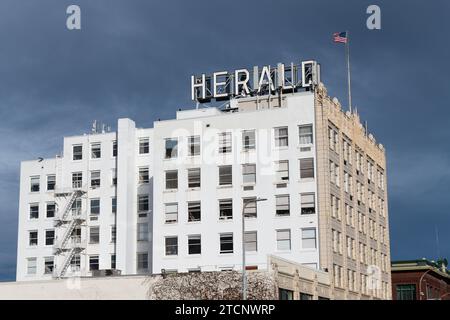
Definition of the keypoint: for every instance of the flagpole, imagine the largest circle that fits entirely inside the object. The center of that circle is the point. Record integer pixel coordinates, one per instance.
(347, 50)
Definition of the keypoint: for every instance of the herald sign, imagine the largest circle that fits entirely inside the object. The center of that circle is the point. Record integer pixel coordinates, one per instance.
(224, 85)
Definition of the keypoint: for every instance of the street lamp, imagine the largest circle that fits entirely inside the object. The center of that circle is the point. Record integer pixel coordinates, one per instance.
(244, 276)
(420, 284)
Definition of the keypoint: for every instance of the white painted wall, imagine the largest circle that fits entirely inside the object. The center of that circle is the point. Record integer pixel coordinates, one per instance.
(299, 110)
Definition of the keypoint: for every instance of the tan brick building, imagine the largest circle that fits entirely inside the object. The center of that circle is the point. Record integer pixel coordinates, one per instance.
(352, 201)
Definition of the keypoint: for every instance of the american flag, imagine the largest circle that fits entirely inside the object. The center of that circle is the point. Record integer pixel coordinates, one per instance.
(340, 37)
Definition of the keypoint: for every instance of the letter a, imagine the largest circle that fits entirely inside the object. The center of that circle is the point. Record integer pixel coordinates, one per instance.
(74, 20)
(374, 20)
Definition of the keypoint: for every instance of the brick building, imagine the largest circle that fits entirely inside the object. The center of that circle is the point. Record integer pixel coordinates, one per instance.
(420, 280)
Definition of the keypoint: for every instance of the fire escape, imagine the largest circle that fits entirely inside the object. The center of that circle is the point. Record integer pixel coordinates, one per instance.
(69, 244)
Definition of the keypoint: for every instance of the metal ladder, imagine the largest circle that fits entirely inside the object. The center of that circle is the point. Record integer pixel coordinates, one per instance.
(67, 261)
(74, 221)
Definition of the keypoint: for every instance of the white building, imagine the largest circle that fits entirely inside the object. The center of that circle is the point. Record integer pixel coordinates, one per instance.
(170, 198)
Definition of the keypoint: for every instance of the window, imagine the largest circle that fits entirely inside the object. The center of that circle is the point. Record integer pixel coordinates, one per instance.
(335, 207)
(347, 151)
(282, 205)
(113, 205)
(144, 146)
(281, 137)
(171, 213)
(249, 173)
(172, 179)
(309, 238)
(33, 238)
(285, 294)
(248, 140)
(194, 146)
(95, 206)
(51, 182)
(77, 152)
(113, 234)
(226, 243)
(333, 137)
(93, 263)
(194, 178)
(306, 168)
(194, 244)
(94, 235)
(113, 261)
(34, 184)
(96, 152)
(76, 207)
(284, 240)
(75, 237)
(251, 241)
(95, 179)
(308, 204)
(142, 261)
(143, 205)
(114, 148)
(282, 170)
(225, 142)
(225, 175)
(34, 211)
(49, 237)
(194, 213)
(51, 208)
(225, 209)
(142, 232)
(31, 266)
(171, 148)
(305, 296)
(406, 291)
(144, 175)
(334, 173)
(114, 177)
(49, 265)
(171, 246)
(77, 180)
(250, 210)
(305, 134)
(75, 263)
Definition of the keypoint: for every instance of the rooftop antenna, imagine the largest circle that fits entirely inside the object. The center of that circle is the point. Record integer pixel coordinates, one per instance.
(94, 127)
(366, 126)
(437, 241)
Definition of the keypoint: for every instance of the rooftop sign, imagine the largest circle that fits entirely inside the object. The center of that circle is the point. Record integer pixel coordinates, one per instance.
(224, 85)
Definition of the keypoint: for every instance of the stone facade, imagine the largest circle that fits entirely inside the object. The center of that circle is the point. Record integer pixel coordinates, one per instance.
(369, 257)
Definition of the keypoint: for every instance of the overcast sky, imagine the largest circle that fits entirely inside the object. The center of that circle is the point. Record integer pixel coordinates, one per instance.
(134, 59)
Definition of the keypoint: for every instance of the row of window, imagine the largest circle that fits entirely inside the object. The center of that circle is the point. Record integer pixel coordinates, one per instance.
(142, 234)
(333, 141)
(76, 209)
(366, 284)
(248, 174)
(226, 242)
(96, 149)
(336, 213)
(225, 141)
(366, 255)
(225, 206)
(75, 263)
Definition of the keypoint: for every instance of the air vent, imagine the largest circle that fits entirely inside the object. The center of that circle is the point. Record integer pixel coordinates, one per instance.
(281, 185)
(305, 149)
(247, 188)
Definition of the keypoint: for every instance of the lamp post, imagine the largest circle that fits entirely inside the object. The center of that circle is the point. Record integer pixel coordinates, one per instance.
(244, 276)
(420, 284)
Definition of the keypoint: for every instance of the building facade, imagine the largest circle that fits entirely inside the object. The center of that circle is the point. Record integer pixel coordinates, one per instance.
(307, 177)
(420, 280)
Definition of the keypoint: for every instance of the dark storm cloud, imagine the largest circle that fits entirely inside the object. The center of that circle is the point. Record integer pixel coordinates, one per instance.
(134, 59)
